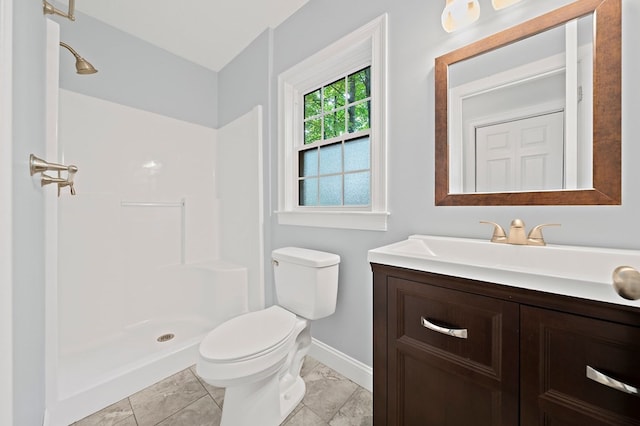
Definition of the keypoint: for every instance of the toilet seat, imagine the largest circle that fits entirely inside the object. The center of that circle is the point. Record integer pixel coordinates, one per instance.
(248, 336)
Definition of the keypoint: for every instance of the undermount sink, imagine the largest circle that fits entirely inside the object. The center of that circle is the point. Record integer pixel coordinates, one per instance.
(584, 272)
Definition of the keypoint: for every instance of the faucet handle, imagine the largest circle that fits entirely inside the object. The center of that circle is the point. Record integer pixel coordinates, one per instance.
(535, 237)
(66, 183)
(499, 236)
(71, 171)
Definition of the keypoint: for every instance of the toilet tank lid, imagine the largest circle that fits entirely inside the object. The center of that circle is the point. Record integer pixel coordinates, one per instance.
(305, 257)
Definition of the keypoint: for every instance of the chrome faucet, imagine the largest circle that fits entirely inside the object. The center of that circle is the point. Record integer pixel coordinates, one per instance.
(517, 233)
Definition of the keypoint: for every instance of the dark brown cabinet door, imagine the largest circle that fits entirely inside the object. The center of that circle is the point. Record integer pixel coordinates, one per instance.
(558, 350)
(452, 357)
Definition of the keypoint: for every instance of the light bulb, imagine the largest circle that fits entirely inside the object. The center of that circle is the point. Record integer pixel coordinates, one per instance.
(459, 13)
(501, 4)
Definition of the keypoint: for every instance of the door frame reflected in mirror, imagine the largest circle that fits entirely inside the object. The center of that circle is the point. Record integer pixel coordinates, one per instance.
(607, 180)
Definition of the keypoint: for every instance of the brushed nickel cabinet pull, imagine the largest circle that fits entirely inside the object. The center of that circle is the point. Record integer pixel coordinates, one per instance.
(459, 333)
(603, 379)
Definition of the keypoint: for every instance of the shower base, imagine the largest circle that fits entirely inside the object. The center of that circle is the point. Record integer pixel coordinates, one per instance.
(102, 373)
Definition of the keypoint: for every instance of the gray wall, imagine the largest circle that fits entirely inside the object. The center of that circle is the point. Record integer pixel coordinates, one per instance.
(29, 35)
(244, 82)
(135, 73)
(415, 40)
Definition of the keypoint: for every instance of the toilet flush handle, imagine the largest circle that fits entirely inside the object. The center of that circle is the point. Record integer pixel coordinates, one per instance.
(275, 262)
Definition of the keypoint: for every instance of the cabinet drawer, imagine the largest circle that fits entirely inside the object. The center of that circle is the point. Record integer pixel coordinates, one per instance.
(460, 327)
(559, 350)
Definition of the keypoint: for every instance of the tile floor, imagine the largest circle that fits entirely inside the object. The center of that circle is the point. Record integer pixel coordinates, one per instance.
(184, 400)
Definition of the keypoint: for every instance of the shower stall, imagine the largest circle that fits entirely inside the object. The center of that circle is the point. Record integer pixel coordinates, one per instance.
(162, 242)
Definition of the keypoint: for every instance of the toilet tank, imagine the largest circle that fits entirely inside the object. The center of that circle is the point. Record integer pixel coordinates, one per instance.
(306, 281)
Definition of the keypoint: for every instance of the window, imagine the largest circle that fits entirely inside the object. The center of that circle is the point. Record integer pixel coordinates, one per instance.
(334, 166)
(332, 135)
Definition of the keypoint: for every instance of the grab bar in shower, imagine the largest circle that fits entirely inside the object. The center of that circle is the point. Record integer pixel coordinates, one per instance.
(151, 204)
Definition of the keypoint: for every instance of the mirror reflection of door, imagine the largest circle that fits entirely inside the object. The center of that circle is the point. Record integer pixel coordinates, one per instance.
(550, 71)
(521, 155)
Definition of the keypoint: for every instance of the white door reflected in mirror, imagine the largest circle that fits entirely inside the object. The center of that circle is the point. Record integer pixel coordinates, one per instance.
(522, 154)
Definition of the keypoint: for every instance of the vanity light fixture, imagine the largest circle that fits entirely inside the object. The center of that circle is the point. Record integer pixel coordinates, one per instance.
(49, 9)
(501, 4)
(459, 13)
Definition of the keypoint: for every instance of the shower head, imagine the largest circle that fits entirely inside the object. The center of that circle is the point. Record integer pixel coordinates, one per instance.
(82, 65)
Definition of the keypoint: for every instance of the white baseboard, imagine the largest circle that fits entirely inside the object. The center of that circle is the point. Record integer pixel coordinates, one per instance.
(351, 368)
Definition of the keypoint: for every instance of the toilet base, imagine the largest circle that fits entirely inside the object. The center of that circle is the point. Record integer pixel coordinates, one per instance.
(255, 403)
(290, 398)
(252, 404)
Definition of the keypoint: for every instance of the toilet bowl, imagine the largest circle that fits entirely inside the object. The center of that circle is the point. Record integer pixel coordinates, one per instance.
(257, 356)
(248, 355)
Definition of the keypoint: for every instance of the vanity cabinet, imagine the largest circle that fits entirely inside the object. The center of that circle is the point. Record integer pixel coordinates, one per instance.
(450, 351)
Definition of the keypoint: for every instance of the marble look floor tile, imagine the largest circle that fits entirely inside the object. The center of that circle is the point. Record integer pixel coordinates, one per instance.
(293, 413)
(203, 412)
(309, 364)
(358, 410)
(186, 400)
(109, 416)
(161, 400)
(129, 421)
(327, 391)
(305, 417)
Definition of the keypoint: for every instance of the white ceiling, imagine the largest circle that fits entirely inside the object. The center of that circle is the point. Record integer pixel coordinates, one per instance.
(208, 32)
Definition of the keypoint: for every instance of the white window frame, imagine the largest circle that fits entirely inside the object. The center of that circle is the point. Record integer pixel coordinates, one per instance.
(365, 46)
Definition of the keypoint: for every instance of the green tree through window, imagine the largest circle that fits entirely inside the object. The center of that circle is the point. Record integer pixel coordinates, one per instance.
(334, 165)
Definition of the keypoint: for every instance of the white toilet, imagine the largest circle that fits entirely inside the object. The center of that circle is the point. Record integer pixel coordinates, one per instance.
(257, 356)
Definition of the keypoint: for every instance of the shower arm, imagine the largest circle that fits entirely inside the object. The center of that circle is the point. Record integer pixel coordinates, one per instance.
(49, 9)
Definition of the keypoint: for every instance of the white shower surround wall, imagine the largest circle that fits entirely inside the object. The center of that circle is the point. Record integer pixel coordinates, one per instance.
(107, 250)
(138, 247)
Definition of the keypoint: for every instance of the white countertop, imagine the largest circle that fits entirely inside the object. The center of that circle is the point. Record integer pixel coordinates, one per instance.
(583, 272)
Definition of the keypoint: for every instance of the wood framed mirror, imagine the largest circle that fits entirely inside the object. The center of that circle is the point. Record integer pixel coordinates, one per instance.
(602, 185)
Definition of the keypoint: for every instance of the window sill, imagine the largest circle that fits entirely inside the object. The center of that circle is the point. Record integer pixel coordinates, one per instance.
(369, 221)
